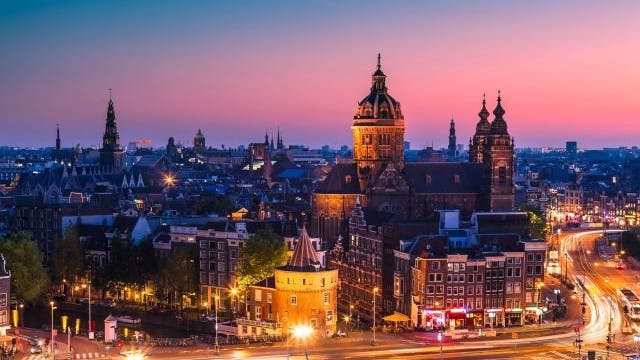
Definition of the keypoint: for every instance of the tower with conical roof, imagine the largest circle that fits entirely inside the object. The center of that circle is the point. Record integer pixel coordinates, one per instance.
(111, 154)
(306, 291)
(498, 160)
(483, 127)
(378, 130)
(451, 150)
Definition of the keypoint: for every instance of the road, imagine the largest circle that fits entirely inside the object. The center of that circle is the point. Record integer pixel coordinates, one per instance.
(600, 278)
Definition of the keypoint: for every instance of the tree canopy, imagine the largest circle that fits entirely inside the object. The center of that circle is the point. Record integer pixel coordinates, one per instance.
(178, 273)
(262, 253)
(68, 259)
(538, 225)
(29, 279)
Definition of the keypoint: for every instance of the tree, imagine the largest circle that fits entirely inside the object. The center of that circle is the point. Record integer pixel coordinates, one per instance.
(538, 226)
(178, 273)
(262, 253)
(29, 279)
(68, 259)
(118, 272)
(218, 204)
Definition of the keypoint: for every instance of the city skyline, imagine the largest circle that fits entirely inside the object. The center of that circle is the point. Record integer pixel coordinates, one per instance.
(237, 70)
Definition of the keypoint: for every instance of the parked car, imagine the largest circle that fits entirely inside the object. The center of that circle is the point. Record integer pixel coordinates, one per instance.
(107, 303)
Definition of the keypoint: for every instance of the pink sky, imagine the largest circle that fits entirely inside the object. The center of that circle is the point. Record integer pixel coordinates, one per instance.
(567, 72)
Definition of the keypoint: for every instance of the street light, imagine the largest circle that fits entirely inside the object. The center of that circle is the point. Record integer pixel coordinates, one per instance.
(53, 354)
(88, 287)
(539, 287)
(216, 303)
(302, 332)
(234, 299)
(21, 314)
(375, 291)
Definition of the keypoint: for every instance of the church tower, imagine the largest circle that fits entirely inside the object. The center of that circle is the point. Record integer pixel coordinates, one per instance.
(199, 142)
(498, 159)
(451, 150)
(477, 144)
(378, 131)
(111, 155)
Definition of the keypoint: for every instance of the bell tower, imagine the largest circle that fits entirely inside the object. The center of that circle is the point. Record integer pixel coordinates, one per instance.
(498, 159)
(111, 154)
(378, 131)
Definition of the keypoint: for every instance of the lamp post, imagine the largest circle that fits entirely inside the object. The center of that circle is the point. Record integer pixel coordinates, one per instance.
(53, 349)
(234, 300)
(351, 316)
(89, 332)
(21, 314)
(216, 303)
(539, 286)
(375, 292)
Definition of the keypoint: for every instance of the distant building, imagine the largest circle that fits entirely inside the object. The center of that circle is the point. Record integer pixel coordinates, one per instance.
(451, 149)
(571, 147)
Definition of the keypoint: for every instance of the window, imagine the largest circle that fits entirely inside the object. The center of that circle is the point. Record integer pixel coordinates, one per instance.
(517, 288)
(232, 254)
(538, 269)
(347, 179)
(538, 257)
(329, 316)
(470, 278)
(269, 298)
(478, 303)
(529, 270)
(517, 272)
(479, 278)
(509, 272)
(529, 257)
(518, 260)
(502, 175)
(294, 300)
(509, 289)
(456, 179)
(258, 310)
(439, 289)
(435, 265)
(326, 298)
(448, 290)
(430, 289)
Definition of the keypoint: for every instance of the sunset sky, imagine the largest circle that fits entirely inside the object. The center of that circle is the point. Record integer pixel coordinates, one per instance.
(567, 70)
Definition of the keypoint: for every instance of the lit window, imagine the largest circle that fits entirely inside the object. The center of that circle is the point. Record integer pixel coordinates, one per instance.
(294, 300)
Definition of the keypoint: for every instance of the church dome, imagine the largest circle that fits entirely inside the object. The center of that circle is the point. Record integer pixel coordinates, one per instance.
(378, 104)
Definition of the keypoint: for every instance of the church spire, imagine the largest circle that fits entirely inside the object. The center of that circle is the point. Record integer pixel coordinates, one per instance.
(378, 78)
(57, 136)
(452, 139)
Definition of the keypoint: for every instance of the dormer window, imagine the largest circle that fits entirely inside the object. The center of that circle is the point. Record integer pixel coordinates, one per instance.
(427, 179)
(456, 179)
(347, 179)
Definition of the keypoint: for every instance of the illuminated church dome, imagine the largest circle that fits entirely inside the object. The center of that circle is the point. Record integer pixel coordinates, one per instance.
(378, 104)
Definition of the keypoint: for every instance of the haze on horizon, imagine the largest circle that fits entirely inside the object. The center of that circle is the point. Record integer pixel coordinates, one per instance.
(567, 71)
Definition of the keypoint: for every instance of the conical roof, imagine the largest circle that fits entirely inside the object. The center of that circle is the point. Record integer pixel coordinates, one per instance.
(304, 256)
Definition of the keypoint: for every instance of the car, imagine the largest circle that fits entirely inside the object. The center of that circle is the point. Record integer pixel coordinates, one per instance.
(620, 266)
(108, 303)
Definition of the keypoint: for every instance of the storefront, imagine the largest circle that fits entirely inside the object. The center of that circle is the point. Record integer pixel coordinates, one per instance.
(493, 318)
(457, 318)
(431, 319)
(513, 317)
